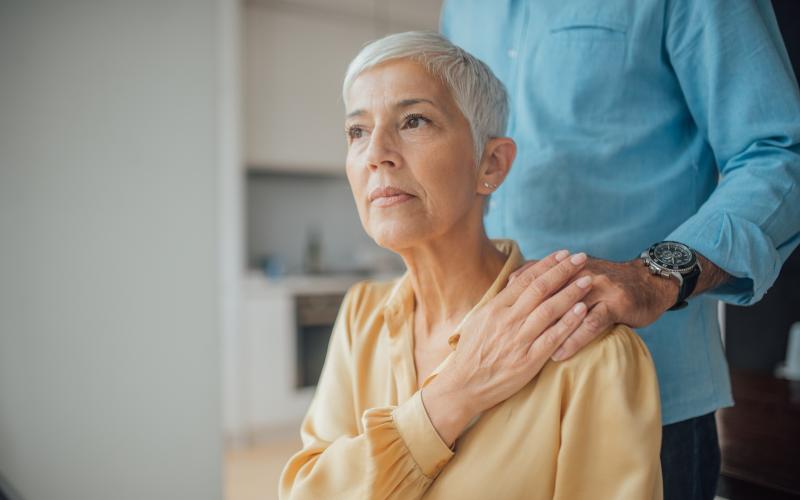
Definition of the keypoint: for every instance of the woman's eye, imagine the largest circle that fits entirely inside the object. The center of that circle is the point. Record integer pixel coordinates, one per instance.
(354, 132)
(414, 121)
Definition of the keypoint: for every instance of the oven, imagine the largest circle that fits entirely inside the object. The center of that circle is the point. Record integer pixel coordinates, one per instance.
(315, 315)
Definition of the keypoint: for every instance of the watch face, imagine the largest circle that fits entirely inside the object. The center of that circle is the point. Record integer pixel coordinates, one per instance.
(672, 255)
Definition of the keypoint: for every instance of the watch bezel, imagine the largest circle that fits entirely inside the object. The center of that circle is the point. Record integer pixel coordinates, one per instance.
(672, 268)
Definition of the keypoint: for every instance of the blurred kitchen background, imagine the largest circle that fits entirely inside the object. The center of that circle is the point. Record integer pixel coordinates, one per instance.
(176, 235)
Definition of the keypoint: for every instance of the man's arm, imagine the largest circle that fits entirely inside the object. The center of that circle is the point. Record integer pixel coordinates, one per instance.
(740, 89)
(711, 277)
(742, 94)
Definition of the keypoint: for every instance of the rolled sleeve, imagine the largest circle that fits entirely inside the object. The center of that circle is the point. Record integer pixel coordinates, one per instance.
(427, 448)
(737, 246)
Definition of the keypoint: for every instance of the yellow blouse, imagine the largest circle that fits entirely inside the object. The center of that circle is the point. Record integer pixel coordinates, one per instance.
(585, 428)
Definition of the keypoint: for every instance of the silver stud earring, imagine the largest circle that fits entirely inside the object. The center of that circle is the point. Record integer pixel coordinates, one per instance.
(490, 186)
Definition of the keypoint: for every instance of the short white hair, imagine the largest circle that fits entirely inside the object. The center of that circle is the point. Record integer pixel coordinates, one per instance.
(479, 94)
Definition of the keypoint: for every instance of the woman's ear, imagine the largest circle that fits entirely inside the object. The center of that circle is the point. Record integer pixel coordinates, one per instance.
(498, 155)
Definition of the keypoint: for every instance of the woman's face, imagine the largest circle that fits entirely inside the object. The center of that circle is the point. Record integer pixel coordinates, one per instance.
(410, 158)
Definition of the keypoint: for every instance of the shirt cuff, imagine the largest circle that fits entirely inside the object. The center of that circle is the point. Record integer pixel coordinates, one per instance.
(427, 448)
(736, 246)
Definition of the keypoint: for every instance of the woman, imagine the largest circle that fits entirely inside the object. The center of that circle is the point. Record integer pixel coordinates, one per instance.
(438, 384)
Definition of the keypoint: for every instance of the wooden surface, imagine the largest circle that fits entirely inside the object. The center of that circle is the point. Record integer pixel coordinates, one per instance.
(760, 436)
(253, 473)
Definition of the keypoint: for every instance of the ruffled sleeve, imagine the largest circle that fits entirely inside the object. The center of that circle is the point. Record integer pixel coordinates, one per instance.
(397, 454)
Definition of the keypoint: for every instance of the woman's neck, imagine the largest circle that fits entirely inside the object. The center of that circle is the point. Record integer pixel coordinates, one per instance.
(450, 275)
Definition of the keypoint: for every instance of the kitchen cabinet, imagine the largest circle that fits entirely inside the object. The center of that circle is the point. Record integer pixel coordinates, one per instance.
(295, 54)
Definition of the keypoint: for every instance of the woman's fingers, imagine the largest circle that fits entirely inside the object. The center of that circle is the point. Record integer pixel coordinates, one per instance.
(548, 342)
(542, 265)
(525, 275)
(555, 308)
(528, 265)
(539, 289)
(597, 321)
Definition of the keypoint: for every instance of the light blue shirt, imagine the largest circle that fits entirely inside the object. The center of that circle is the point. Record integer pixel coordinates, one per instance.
(638, 121)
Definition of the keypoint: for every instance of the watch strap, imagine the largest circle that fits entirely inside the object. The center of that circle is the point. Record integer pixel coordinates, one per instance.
(686, 289)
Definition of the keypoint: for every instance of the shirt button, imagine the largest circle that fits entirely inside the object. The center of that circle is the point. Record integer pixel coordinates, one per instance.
(512, 53)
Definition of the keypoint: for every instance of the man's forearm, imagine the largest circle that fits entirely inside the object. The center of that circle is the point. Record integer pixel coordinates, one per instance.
(711, 276)
(667, 289)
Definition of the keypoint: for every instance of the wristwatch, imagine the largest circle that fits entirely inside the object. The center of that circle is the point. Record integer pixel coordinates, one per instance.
(671, 259)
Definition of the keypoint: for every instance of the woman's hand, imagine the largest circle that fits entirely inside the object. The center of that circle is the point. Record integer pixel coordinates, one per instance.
(505, 343)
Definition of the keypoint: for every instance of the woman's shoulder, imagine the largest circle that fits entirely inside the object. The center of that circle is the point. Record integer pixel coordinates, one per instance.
(618, 367)
(618, 349)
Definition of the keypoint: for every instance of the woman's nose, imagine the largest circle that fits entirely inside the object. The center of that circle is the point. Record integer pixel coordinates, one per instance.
(381, 151)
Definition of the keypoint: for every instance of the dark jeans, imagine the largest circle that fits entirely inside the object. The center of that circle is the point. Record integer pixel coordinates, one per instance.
(690, 459)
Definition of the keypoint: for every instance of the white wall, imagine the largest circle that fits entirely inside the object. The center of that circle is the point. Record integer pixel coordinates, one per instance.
(117, 181)
(294, 117)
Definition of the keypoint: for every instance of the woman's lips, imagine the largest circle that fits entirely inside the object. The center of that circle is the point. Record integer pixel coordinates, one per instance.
(388, 201)
(387, 196)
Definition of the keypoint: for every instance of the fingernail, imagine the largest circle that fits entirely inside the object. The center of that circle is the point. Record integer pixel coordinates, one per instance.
(558, 355)
(579, 308)
(561, 255)
(578, 258)
(584, 282)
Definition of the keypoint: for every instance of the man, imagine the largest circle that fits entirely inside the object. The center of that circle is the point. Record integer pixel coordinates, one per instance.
(654, 121)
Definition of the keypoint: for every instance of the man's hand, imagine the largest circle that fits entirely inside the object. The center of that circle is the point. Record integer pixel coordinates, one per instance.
(626, 292)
